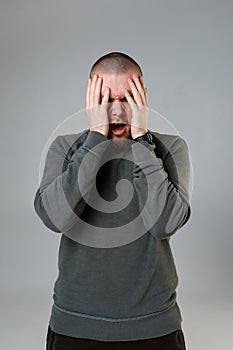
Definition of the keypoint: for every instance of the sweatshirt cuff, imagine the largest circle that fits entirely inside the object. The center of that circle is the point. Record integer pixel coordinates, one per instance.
(93, 139)
(149, 146)
(140, 152)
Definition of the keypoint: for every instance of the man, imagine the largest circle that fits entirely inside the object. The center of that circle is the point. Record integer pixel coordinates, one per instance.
(115, 295)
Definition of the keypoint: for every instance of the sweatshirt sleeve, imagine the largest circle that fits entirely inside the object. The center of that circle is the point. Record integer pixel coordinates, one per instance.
(58, 200)
(162, 186)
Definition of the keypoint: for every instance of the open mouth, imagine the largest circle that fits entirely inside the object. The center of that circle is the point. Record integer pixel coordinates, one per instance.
(117, 128)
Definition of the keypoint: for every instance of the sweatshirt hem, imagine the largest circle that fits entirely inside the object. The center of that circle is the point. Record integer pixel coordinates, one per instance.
(147, 326)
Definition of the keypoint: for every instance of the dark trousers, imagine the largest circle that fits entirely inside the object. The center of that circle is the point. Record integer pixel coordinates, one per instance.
(171, 341)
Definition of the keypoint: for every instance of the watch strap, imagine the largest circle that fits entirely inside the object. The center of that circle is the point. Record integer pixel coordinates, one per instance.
(146, 137)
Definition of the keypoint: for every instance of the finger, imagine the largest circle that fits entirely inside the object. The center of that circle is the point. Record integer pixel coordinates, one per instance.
(142, 81)
(92, 90)
(146, 90)
(135, 92)
(88, 93)
(129, 98)
(106, 96)
(139, 82)
(97, 91)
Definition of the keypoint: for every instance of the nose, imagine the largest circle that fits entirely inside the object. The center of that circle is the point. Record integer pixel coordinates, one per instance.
(116, 108)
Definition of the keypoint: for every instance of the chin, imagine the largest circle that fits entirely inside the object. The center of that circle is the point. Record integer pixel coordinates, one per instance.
(119, 138)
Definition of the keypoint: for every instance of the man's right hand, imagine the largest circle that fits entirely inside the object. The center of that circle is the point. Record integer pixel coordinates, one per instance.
(96, 109)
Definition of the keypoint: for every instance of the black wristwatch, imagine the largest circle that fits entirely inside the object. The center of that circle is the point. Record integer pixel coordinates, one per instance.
(147, 137)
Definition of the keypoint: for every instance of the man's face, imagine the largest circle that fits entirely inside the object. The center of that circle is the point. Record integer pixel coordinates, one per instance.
(119, 110)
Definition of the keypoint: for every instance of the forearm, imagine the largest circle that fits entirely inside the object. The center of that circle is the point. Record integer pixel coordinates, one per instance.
(163, 203)
(60, 201)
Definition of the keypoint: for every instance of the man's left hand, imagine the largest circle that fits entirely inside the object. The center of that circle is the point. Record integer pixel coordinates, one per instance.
(139, 106)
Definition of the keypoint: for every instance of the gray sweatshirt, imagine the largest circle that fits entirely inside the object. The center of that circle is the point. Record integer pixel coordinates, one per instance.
(113, 286)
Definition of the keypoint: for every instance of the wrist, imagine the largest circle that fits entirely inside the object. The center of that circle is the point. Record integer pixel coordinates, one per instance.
(146, 137)
(142, 133)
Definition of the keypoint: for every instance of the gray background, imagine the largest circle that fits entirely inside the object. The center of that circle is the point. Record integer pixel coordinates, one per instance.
(185, 50)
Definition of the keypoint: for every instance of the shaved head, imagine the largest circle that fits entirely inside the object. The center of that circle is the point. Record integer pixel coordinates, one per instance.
(115, 63)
